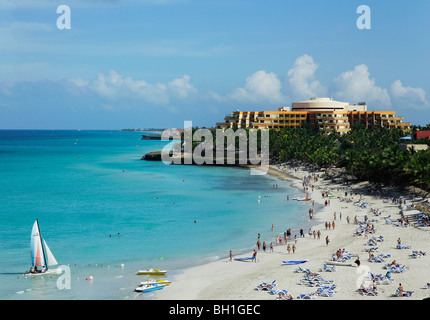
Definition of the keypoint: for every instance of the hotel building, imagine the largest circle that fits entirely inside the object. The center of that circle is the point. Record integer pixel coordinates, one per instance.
(323, 114)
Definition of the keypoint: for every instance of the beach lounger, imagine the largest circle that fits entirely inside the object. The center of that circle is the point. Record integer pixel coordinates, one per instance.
(384, 281)
(312, 295)
(324, 292)
(278, 291)
(377, 259)
(394, 269)
(372, 242)
(368, 292)
(379, 239)
(399, 246)
(327, 268)
(302, 270)
(416, 254)
(371, 249)
(404, 293)
(266, 286)
(282, 296)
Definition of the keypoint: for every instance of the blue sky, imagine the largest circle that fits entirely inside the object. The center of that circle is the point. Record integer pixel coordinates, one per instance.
(158, 63)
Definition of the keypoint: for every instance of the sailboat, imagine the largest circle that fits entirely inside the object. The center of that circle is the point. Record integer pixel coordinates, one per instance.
(41, 256)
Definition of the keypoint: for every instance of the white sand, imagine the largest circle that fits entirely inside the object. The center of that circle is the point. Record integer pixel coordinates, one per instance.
(237, 280)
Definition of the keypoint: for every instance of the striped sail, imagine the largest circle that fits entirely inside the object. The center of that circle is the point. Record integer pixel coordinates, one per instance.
(40, 255)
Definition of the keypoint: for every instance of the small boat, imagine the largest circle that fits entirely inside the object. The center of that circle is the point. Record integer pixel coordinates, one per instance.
(161, 281)
(304, 199)
(150, 287)
(293, 262)
(245, 259)
(41, 255)
(152, 272)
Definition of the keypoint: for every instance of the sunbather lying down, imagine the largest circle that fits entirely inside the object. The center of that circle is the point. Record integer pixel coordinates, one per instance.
(401, 293)
(404, 293)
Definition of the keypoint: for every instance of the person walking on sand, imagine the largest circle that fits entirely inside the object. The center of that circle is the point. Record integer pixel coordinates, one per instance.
(332, 224)
(319, 234)
(294, 248)
(327, 240)
(288, 249)
(231, 257)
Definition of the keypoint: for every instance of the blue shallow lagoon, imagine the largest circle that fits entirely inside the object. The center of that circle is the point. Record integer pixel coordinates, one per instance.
(86, 187)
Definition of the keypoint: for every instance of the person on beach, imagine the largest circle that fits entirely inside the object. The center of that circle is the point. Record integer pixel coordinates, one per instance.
(301, 233)
(329, 225)
(294, 248)
(258, 244)
(332, 224)
(254, 256)
(271, 246)
(400, 289)
(231, 257)
(264, 246)
(326, 225)
(327, 240)
(288, 249)
(319, 234)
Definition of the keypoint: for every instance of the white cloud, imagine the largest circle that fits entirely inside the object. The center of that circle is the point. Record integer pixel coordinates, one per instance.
(413, 97)
(115, 86)
(301, 78)
(356, 85)
(260, 87)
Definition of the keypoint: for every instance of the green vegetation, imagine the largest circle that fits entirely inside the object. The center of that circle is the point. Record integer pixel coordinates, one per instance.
(369, 154)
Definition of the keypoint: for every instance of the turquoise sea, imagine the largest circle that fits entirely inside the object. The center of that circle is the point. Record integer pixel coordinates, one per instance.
(86, 187)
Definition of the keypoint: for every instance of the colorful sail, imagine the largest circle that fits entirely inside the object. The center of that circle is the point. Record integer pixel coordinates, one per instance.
(37, 256)
(41, 255)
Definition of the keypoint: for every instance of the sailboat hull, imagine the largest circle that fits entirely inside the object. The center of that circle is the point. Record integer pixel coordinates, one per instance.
(51, 272)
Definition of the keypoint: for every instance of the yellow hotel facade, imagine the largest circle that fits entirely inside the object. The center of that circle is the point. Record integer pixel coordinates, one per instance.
(323, 114)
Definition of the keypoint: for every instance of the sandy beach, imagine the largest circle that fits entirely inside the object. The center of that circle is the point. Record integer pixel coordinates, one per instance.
(238, 280)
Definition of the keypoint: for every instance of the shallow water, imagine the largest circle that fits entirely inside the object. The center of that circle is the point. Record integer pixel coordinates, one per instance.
(86, 187)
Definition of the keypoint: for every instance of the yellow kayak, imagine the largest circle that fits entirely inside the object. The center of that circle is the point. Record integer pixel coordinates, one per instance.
(153, 272)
